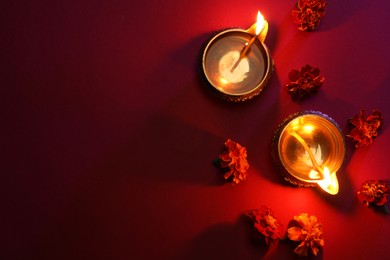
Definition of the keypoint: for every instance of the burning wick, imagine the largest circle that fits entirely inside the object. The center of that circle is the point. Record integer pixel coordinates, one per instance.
(243, 52)
(310, 153)
(330, 183)
(259, 26)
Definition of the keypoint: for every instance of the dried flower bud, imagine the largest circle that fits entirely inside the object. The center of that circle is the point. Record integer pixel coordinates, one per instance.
(305, 82)
(308, 231)
(234, 159)
(308, 14)
(365, 128)
(266, 224)
(373, 192)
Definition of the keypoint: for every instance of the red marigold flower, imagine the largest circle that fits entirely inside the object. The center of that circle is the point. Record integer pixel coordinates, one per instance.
(373, 192)
(308, 231)
(308, 14)
(365, 128)
(266, 224)
(234, 158)
(305, 82)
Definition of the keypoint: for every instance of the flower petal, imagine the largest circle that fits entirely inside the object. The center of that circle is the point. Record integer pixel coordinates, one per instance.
(294, 233)
(234, 160)
(308, 230)
(305, 82)
(266, 224)
(365, 129)
(307, 14)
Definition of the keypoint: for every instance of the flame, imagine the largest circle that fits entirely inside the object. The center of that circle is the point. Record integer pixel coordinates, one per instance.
(330, 183)
(260, 23)
(314, 175)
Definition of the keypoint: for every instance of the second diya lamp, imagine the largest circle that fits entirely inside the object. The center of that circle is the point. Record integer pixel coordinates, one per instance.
(236, 63)
(309, 148)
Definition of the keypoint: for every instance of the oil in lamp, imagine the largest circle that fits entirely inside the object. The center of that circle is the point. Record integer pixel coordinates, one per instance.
(309, 148)
(236, 63)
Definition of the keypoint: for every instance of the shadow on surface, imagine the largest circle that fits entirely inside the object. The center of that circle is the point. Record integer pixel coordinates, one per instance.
(338, 13)
(238, 240)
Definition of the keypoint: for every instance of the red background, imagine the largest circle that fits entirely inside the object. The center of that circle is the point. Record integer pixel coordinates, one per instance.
(108, 134)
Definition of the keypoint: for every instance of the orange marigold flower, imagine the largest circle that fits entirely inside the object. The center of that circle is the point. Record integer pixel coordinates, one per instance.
(308, 14)
(373, 192)
(234, 159)
(304, 83)
(308, 231)
(365, 128)
(266, 224)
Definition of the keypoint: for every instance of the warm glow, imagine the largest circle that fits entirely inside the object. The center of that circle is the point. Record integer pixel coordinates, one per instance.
(239, 74)
(314, 175)
(260, 23)
(330, 183)
(308, 128)
(223, 81)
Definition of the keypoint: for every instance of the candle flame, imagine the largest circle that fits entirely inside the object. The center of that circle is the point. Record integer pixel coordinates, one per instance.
(260, 22)
(330, 183)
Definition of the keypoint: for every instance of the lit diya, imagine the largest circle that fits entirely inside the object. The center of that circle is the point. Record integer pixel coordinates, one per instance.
(236, 62)
(310, 149)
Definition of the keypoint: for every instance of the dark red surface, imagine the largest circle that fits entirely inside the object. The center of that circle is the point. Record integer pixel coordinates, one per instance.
(108, 134)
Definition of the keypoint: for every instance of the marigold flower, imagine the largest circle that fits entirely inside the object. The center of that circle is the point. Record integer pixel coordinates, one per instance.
(373, 192)
(366, 129)
(266, 224)
(234, 158)
(308, 230)
(308, 14)
(305, 82)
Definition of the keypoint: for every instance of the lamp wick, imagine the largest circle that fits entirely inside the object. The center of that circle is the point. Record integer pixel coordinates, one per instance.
(244, 52)
(309, 152)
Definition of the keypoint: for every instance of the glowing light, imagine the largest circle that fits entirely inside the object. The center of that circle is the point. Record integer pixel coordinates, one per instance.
(259, 23)
(223, 81)
(308, 128)
(330, 184)
(314, 175)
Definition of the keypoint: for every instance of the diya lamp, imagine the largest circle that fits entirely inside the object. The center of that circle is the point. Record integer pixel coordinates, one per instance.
(309, 148)
(236, 63)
